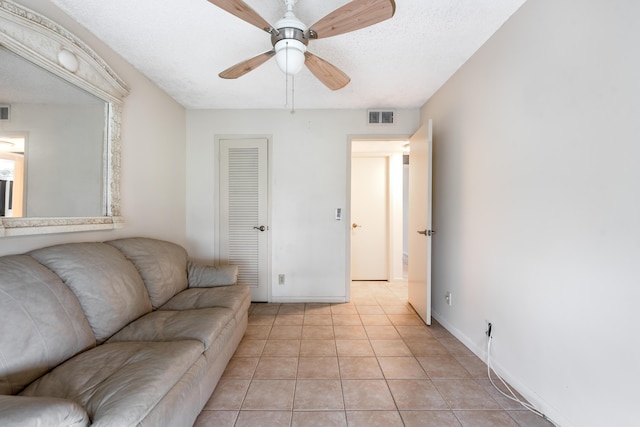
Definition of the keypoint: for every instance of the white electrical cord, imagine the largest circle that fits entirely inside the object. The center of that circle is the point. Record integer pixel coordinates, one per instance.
(513, 395)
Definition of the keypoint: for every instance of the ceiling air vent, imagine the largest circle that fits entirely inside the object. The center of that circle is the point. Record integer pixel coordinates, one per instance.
(380, 117)
(4, 112)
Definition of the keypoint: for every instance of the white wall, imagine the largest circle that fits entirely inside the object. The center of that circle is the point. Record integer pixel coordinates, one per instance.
(309, 169)
(396, 219)
(536, 163)
(405, 210)
(153, 155)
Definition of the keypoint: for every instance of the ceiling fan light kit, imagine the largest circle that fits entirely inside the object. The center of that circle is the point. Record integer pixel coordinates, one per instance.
(289, 43)
(290, 56)
(290, 37)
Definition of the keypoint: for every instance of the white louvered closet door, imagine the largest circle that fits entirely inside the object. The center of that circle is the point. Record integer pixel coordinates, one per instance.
(243, 219)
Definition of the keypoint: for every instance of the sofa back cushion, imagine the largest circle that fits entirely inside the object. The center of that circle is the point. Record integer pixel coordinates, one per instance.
(162, 265)
(109, 288)
(41, 322)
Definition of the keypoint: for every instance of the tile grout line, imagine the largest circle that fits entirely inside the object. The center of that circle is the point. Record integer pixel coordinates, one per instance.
(404, 337)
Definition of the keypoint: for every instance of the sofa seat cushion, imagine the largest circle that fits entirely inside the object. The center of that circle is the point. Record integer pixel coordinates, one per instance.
(233, 297)
(203, 325)
(109, 288)
(21, 411)
(162, 265)
(41, 322)
(119, 383)
(218, 346)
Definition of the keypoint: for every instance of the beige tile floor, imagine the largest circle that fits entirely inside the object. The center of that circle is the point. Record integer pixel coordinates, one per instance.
(371, 362)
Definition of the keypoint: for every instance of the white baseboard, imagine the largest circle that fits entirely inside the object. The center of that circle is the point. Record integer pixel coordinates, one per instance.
(514, 382)
(311, 300)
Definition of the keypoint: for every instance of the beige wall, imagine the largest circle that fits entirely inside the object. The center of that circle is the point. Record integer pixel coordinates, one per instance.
(309, 175)
(153, 155)
(536, 163)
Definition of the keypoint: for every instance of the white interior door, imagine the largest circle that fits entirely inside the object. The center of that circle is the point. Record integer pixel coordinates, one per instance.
(420, 232)
(369, 218)
(243, 212)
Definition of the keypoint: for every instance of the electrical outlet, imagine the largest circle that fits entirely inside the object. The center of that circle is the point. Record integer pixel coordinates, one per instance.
(448, 297)
(280, 279)
(488, 326)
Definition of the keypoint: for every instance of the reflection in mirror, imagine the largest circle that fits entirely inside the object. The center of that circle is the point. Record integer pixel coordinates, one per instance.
(53, 144)
(11, 175)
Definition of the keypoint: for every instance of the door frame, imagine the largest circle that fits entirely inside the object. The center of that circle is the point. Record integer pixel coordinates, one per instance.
(216, 198)
(373, 139)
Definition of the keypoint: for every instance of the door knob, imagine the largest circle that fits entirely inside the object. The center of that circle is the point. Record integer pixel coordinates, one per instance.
(261, 228)
(427, 232)
(354, 225)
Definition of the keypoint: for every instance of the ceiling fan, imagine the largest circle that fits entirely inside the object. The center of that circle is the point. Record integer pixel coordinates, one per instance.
(290, 37)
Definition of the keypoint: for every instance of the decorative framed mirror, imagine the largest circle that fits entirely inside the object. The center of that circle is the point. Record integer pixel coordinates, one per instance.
(60, 113)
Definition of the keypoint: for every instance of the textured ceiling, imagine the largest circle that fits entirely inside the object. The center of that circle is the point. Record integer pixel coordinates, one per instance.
(398, 63)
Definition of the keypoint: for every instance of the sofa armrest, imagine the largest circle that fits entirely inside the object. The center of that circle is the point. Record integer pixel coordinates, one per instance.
(41, 411)
(202, 275)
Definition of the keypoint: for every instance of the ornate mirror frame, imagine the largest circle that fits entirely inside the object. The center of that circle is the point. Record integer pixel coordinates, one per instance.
(52, 47)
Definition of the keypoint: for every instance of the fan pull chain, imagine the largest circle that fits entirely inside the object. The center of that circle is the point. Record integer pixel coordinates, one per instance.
(293, 95)
(286, 91)
(286, 77)
(286, 85)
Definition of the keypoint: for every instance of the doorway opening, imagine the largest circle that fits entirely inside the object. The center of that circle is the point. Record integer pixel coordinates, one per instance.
(12, 174)
(379, 210)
